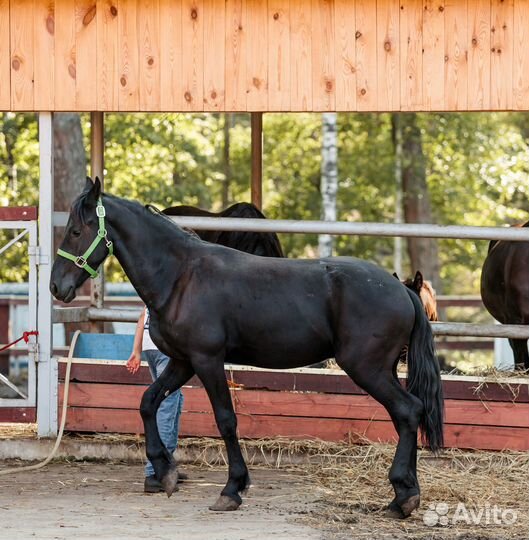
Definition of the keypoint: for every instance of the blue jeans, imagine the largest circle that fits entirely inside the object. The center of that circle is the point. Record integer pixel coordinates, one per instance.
(168, 415)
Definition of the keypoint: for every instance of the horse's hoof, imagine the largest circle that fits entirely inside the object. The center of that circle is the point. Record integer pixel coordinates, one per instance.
(410, 504)
(225, 504)
(393, 511)
(170, 481)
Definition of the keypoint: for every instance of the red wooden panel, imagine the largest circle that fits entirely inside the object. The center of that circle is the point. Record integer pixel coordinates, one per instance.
(18, 213)
(255, 402)
(18, 414)
(202, 425)
(303, 382)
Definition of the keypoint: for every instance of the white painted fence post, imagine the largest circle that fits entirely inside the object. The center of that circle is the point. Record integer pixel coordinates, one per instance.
(47, 374)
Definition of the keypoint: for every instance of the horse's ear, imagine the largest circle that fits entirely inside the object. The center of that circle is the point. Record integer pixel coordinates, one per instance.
(93, 190)
(418, 281)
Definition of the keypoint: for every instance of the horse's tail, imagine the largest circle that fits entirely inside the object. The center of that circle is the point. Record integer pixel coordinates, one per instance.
(424, 376)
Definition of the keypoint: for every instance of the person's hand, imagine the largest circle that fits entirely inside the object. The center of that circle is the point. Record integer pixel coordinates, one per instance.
(134, 361)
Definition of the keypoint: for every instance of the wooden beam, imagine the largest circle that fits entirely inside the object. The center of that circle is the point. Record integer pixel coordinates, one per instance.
(97, 165)
(257, 159)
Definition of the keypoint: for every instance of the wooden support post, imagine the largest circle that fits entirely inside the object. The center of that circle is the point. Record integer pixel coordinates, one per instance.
(97, 165)
(257, 159)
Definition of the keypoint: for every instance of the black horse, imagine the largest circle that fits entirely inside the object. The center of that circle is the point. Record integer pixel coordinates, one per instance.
(505, 289)
(258, 243)
(210, 304)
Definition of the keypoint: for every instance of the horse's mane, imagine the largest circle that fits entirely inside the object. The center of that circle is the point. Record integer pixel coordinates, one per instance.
(257, 243)
(155, 211)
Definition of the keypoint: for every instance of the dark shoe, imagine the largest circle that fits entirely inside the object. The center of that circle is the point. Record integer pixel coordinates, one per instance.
(152, 485)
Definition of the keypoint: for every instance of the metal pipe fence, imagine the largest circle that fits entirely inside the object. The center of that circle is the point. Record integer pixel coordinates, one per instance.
(418, 230)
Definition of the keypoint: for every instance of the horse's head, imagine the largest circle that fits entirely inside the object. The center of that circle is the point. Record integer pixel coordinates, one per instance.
(85, 245)
(424, 289)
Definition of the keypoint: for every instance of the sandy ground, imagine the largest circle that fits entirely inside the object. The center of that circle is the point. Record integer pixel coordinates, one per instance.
(96, 500)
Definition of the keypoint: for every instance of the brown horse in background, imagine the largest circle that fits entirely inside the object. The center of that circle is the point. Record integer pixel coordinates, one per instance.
(505, 289)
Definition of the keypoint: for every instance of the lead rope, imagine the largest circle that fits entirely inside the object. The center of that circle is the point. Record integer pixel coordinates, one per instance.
(63, 415)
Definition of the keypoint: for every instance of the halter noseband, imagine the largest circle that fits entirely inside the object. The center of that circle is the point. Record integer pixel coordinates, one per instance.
(82, 260)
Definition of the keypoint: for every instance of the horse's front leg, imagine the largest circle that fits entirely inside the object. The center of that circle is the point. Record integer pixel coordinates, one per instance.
(175, 375)
(211, 373)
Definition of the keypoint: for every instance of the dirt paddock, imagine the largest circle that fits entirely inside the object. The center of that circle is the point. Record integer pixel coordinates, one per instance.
(303, 490)
(98, 500)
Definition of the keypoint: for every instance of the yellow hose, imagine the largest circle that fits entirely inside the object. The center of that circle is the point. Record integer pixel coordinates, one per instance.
(63, 416)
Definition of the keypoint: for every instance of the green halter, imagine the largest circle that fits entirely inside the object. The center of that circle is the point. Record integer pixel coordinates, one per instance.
(82, 260)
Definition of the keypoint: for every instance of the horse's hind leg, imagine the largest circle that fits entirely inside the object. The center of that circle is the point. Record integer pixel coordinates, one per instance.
(211, 373)
(175, 375)
(405, 411)
(520, 352)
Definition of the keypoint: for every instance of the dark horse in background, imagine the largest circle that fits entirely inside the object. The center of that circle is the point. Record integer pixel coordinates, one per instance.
(210, 304)
(258, 243)
(505, 289)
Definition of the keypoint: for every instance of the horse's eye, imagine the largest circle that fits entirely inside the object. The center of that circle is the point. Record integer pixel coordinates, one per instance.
(76, 233)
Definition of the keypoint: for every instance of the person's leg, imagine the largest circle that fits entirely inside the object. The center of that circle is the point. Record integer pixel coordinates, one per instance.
(169, 411)
(167, 416)
(150, 358)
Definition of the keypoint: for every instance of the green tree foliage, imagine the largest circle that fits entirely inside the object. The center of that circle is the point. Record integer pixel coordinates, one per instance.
(477, 167)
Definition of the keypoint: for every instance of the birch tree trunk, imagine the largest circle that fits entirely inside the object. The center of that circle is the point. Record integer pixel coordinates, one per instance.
(329, 179)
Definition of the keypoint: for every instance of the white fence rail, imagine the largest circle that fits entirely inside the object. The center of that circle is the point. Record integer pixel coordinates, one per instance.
(418, 230)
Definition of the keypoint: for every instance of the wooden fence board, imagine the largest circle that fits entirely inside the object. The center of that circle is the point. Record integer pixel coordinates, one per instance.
(433, 75)
(193, 54)
(521, 55)
(149, 54)
(345, 54)
(388, 69)
(107, 55)
(257, 56)
(366, 57)
(44, 54)
(18, 414)
(128, 43)
(256, 402)
(300, 56)
(214, 55)
(5, 59)
(22, 51)
(502, 26)
(65, 59)
(172, 88)
(18, 213)
(323, 63)
(456, 55)
(236, 50)
(85, 54)
(278, 55)
(203, 424)
(411, 65)
(479, 54)
(338, 383)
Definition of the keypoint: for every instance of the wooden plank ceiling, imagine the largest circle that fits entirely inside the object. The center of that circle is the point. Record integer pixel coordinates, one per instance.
(264, 55)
